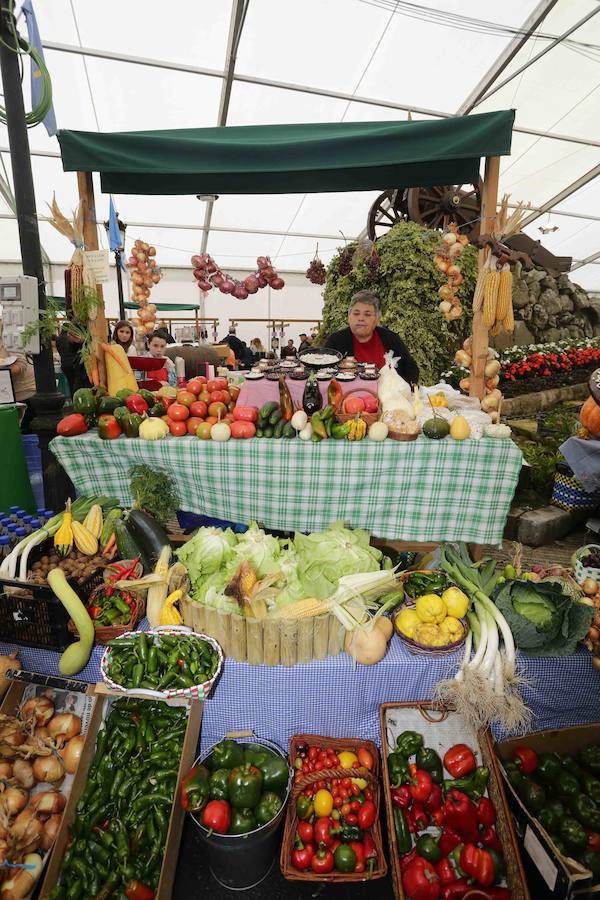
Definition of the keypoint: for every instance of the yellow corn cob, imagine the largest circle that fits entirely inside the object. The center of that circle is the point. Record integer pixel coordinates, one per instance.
(301, 609)
(509, 319)
(93, 521)
(492, 281)
(169, 615)
(84, 541)
(479, 291)
(119, 374)
(504, 294)
(63, 539)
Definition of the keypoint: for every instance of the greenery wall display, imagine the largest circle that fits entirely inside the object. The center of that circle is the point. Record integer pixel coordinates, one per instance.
(406, 282)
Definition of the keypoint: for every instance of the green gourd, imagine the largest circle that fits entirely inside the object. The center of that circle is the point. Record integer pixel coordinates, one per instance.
(436, 428)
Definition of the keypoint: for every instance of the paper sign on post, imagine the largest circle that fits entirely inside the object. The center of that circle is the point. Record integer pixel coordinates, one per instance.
(97, 260)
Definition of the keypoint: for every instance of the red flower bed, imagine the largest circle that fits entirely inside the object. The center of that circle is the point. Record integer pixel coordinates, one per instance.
(544, 365)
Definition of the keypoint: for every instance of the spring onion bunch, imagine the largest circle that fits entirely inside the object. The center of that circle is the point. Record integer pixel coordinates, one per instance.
(484, 689)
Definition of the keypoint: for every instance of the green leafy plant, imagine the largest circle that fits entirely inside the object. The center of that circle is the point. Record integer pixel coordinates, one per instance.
(406, 282)
(153, 491)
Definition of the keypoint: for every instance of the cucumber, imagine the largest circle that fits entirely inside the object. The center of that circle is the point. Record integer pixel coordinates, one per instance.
(267, 408)
(289, 431)
(259, 432)
(109, 525)
(127, 546)
(268, 431)
(278, 433)
(275, 416)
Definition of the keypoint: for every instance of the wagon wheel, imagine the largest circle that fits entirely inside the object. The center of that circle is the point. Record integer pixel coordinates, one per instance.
(389, 209)
(437, 207)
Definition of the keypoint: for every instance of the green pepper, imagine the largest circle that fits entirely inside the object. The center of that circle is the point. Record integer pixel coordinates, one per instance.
(408, 743)
(120, 413)
(514, 775)
(533, 795)
(304, 807)
(472, 785)
(84, 402)
(256, 754)
(567, 785)
(148, 396)
(245, 786)
(318, 426)
(340, 431)
(584, 809)
(591, 861)
(275, 772)
(591, 786)
(268, 807)
(344, 858)
(548, 767)
(573, 834)
(195, 789)
(131, 425)
(398, 769)
(551, 815)
(428, 848)
(429, 760)
(590, 759)
(124, 393)
(227, 755)
(218, 785)
(157, 410)
(242, 821)
(403, 837)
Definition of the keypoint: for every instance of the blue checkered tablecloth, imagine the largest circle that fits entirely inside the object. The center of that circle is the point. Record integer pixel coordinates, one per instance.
(335, 698)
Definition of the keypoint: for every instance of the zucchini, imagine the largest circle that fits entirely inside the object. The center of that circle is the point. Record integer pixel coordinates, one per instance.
(275, 416)
(268, 431)
(259, 432)
(267, 408)
(278, 433)
(148, 533)
(127, 546)
(109, 525)
(289, 431)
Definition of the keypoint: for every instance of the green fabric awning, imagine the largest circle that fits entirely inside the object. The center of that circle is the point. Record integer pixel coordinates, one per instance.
(274, 159)
(167, 307)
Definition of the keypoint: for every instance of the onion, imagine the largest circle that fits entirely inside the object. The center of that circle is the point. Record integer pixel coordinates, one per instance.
(228, 286)
(51, 827)
(39, 708)
(11, 735)
(13, 800)
(211, 266)
(449, 237)
(462, 358)
(204, 285)
(48, 768)
(6, 663)
(6, 769)
(262, 281)
(27, 826)
(589, 587)
(277, 283)
(218, 279)
(452, 270)
(251, 284)
(64, 726)
(263, 262)
(594, 634)
(197, 261)
(455, 250)
(445, 307)
(596, 662)
(441, 263)
(240, 292)
(71, 754)
(23, 773)
(48, 802)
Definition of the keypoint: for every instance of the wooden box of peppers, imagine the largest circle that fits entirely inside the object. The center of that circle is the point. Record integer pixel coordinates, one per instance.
(451, 834)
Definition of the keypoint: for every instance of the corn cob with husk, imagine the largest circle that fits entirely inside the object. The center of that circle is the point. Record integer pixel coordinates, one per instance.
(490, 298)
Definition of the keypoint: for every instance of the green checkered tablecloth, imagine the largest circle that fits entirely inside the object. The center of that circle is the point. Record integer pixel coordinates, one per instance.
(421, 490)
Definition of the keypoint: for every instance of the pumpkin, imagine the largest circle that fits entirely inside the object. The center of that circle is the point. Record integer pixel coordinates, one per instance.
(436, 428)
(590, 416)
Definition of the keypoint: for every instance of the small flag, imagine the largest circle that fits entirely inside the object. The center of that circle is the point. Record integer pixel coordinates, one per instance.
(35, 41)
(114, 235)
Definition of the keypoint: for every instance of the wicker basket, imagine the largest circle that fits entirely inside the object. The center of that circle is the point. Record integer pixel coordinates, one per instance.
(105, 633)
(369, 418)
(582, 572)
(405, 575)
(415, 647)
(291, 821)
(433, 714)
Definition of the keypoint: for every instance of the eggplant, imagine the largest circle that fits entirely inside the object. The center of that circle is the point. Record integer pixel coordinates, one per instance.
(312, 401)
(148, 533)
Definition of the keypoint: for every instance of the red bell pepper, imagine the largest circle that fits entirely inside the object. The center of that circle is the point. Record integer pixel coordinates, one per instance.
(477, 864)
(359, 852)
(459, 760)
(446, 871)
(486, 814)
(94, 611)
(448, 841)
(489, 839)
(408, 859)
(420, 881)
(457, 890)
(72, 425)
(245, 414)
(367, 814)
(370, 853)
(135, 403)
(525, 759)
(137, 890)
(420, 786)
(461, 813)
(217, 816)
(593, 841)
(108, 428)
(322, 861)
(418, 818)
(302, 855)
(401, 797)
(322, 831)
(438, 817)
(434, 801)
(305, 832)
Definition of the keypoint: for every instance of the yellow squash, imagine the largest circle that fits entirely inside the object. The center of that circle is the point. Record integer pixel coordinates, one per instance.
(63, 539)
(93, 521)
(169, 614)
(84, 541)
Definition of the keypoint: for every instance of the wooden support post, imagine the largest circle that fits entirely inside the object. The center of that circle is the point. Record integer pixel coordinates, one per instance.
(98, 327)
(479, 348)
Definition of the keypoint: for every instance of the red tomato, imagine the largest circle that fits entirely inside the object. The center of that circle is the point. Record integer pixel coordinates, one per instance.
(313, 753)
(196, 386)
(250, 414)
(178, 429)
(185, 397)
(353, 405)
(365, 758)
(215, 408)
(371, 404)
(178, 412)
(305, 832)
(203, 431)
(199, 408)
(204, 396)
(217, 397)
(217, 384)
(227, 418)
(212, 420)
(192, 424)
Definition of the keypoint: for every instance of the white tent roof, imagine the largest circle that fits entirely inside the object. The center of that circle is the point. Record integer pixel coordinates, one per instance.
(315, 61)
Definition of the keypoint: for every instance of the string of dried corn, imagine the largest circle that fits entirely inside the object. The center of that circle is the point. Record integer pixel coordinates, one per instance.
(504, 293)
(490, 297)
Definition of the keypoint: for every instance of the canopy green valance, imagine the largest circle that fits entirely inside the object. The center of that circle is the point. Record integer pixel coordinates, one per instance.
(274, 159)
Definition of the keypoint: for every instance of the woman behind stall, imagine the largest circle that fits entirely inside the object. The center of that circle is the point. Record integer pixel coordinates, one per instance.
(123, 335)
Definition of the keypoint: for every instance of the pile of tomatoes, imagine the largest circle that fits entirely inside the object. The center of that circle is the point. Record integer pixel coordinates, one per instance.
(200, 405)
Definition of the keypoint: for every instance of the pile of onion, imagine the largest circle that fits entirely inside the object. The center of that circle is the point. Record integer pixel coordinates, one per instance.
(144, 274)
(208, 275)
(449, 249)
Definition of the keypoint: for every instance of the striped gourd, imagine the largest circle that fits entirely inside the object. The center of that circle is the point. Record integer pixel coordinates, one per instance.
(84, 541)
(93, 521)
(504, 293)
(490, 297)
(479, 291)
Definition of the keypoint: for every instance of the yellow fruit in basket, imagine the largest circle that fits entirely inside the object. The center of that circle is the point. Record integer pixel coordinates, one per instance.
(452, 629)
(431, 608)
(347, 759)
(430, 635)
(323, 803)
(407, 621)
(456, 602)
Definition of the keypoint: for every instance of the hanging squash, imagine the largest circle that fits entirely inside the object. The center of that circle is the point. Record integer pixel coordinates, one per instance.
(590, 416)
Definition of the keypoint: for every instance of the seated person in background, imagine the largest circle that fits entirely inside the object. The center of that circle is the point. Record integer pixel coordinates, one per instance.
(304, 342)
(123, 335)
(288, 351)
(156, 344)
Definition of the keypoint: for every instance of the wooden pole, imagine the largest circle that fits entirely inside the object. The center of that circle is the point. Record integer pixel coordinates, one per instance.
(479, 348)
(98, 327)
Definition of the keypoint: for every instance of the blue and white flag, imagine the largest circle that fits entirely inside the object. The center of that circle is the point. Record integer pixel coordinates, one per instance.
(114, 235)
(35, 41)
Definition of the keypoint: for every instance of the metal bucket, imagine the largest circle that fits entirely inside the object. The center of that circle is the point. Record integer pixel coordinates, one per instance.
(241, 861)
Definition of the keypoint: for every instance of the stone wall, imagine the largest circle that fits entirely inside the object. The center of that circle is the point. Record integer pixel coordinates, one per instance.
(550, 309)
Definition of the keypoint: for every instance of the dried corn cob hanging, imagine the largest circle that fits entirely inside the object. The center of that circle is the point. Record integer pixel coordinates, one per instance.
(490, 297)
(504, 293)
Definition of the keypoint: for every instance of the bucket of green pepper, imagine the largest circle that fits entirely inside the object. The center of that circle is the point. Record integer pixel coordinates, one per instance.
(168, 661)
(236, 794)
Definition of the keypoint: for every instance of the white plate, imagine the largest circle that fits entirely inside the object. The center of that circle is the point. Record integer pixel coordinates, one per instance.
(253, 376)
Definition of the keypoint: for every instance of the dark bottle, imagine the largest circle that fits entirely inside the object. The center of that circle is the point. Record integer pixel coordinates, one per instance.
(312, 401)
